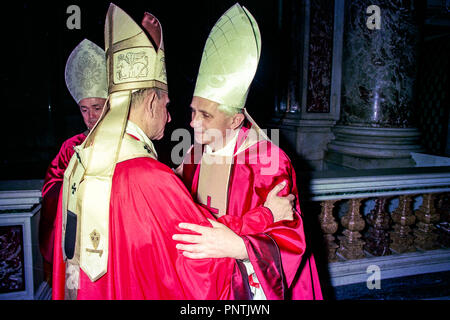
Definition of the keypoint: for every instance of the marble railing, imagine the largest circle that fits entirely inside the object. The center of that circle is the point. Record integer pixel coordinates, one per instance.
(402, 230)
(366, 214)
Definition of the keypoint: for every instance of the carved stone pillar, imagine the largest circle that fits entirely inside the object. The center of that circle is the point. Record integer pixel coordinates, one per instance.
(308, 98)
(351, 244)
(402, 238)
(329, 227)
(377, 238)
(425, 235)
(376, 128)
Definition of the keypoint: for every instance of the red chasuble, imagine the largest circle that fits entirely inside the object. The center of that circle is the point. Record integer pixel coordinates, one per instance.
(148, 201)
(50, 191)
(277, 255)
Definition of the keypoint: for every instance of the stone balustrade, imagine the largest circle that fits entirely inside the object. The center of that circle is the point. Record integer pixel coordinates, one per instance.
(397, 218)
(380, 232)
(383, 211)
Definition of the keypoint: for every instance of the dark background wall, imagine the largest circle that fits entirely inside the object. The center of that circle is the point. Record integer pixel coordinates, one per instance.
(433, 90)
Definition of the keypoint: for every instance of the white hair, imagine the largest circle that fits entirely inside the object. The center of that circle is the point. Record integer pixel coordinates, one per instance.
(229, 111)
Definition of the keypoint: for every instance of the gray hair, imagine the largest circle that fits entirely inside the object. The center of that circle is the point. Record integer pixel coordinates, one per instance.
(138, 96)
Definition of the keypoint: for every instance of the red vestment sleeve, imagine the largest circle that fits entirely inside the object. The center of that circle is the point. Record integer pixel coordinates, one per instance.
(59, 267)
(284, 241)
(277, 251)
(252, 222)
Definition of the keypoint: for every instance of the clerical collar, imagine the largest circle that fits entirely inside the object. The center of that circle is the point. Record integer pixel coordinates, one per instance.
(137, 132)
(228, 150)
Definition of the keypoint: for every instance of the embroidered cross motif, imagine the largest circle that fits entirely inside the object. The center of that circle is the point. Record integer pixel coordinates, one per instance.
(210, 208)
(146, 147)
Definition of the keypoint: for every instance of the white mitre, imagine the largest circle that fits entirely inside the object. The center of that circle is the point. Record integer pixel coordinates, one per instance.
(85, 72)
(230, 59)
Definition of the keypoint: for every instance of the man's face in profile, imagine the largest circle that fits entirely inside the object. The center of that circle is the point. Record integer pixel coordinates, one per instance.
(161, 116)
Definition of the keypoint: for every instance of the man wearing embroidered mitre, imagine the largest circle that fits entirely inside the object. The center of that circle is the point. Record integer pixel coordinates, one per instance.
(119, 206)
(85, 76)
(233, 166)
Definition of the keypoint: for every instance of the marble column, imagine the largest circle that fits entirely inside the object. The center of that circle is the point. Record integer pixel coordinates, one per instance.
(376, 128)
(309, 74)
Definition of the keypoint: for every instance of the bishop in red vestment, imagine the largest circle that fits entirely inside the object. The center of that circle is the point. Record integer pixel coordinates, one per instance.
(238, 165)
(147, 202)
(90, 94)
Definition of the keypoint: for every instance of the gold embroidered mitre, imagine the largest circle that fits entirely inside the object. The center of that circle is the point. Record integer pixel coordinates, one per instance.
(133, 63)
(85, 72)
(230, 58)
(133, 60)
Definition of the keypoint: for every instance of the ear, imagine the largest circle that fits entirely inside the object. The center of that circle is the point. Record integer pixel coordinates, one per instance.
(237, 120)
(150, 101)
